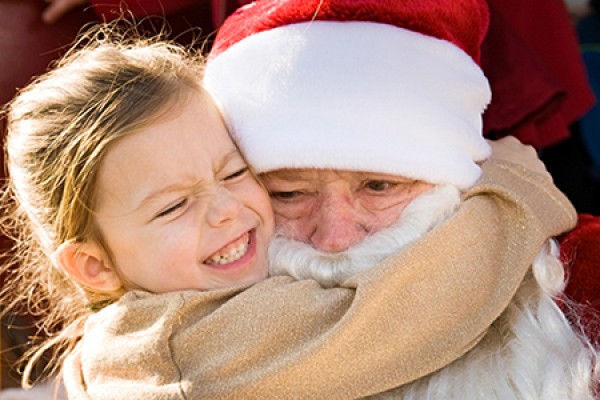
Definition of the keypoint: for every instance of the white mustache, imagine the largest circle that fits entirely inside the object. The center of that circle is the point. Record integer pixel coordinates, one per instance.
(302, 261)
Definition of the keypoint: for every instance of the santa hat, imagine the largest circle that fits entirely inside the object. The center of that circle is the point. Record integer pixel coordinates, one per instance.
(388, 86)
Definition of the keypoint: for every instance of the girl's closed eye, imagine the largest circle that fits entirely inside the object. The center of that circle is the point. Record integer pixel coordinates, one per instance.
(171, 209)
(237, 174)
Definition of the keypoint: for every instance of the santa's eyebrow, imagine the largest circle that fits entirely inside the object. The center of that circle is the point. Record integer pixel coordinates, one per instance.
(289, 174)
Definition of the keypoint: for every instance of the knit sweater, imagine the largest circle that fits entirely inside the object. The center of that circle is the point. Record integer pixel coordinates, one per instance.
(416, 312)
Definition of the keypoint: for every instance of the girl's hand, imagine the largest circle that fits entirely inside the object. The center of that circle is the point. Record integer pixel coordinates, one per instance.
(511, 149)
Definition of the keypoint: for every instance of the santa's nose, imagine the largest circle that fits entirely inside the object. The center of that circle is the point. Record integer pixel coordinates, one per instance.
(337, 225)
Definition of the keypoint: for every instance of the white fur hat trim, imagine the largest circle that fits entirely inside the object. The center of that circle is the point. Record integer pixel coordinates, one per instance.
(354, 96)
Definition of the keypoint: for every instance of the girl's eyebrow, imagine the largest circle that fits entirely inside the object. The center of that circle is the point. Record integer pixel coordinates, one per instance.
(228, 157)
(179, 186)
(175, 187)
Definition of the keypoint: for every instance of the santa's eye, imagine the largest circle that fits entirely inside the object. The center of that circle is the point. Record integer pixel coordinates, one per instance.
(289, 195)
(378, 186)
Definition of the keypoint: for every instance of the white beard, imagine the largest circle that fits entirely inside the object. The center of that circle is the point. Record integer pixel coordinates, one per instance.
(530, 352)
(302, 261)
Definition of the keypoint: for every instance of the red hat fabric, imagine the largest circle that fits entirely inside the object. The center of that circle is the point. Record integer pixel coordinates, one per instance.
(464, 23)
(388, 86)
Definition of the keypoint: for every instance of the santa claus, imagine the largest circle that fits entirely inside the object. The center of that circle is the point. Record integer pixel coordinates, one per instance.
(364, 120)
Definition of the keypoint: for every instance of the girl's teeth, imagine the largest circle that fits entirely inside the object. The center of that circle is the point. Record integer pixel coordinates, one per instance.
(232, 255)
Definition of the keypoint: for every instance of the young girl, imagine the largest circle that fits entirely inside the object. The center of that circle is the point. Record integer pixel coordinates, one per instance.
(125, 178)
(142, 237)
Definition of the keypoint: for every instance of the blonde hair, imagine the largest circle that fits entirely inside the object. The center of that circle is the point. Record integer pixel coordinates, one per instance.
(110, 84)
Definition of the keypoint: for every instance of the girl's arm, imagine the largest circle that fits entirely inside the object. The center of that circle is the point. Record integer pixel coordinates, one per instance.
(409, 316)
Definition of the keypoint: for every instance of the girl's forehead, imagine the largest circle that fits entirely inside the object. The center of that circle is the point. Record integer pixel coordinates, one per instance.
(182, 151)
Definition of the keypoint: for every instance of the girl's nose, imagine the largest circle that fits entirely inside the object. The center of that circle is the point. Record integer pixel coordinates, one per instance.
(224, 207)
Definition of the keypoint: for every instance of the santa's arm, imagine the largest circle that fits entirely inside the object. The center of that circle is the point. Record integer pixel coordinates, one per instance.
(510, 149)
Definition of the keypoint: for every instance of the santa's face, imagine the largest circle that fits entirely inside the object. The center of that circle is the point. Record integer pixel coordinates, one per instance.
(303, 261)
(333, 210)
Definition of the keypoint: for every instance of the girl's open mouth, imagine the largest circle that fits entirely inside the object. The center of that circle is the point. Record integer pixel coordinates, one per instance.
(231, 252)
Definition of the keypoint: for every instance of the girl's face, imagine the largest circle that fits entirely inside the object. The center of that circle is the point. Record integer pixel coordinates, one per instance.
(178, 207)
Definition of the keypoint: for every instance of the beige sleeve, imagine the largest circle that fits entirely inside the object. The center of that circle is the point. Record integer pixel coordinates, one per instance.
(407, 317)
(540, 200)
(410, 316)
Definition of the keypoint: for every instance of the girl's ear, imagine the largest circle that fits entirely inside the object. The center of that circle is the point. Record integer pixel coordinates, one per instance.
(85, 263)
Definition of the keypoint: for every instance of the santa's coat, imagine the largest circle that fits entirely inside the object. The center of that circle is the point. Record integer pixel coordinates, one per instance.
(580, 253)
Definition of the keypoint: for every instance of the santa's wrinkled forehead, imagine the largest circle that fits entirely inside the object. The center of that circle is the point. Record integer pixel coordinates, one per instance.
(325, 175)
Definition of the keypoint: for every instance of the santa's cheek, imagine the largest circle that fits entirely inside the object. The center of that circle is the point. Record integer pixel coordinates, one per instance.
(296, 229)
